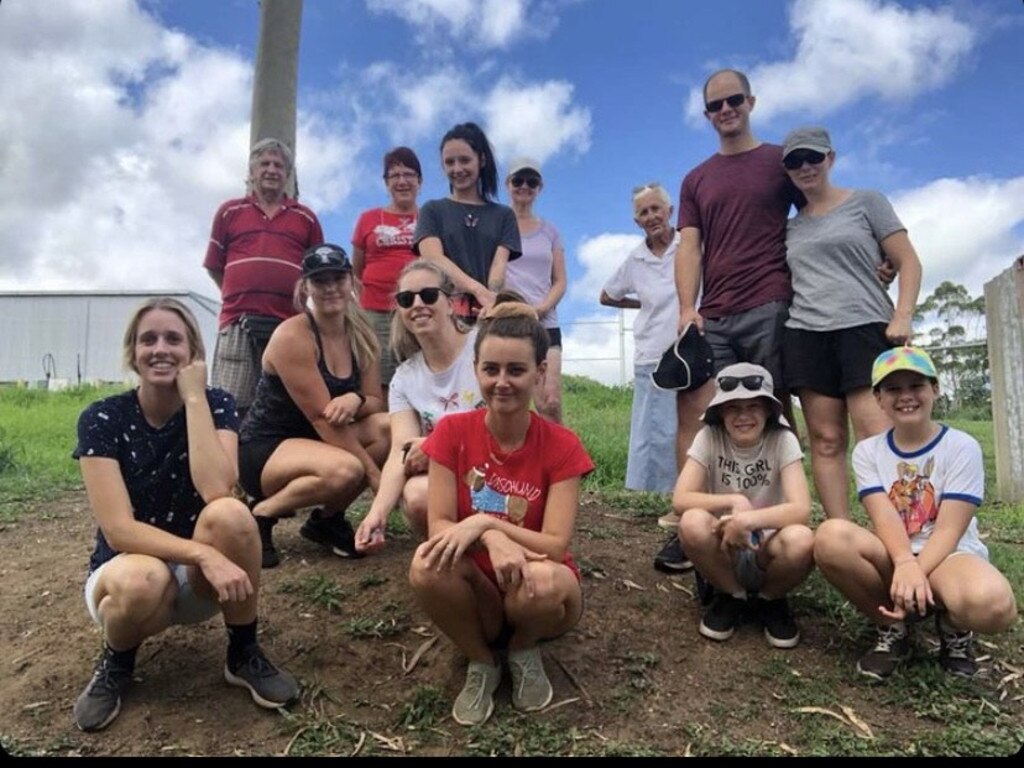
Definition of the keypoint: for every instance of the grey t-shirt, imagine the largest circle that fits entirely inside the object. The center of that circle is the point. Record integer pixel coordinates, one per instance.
(470, 234)
(833, 258)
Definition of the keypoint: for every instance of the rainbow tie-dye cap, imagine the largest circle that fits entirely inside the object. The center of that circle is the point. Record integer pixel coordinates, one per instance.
(902, 359)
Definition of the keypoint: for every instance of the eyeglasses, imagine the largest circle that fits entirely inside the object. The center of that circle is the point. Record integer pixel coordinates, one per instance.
(531, 181)
(729, 383)
(733, 101)
(428, 296)
(402, 176)
(798, 157)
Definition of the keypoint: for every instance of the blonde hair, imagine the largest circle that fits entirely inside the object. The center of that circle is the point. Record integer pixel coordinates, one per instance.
(364, 342)
(196, 348)
(403, 341)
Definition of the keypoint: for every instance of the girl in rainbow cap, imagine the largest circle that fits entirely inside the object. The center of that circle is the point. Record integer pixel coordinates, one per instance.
(921, 483)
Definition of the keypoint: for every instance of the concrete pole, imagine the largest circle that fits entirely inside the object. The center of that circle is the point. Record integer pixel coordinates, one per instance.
(277, 74)
(1004, 322)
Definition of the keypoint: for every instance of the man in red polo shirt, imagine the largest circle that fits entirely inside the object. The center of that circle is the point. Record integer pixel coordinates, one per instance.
(254, 257)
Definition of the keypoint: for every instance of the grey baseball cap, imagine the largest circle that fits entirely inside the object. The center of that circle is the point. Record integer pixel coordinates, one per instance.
(808, 137)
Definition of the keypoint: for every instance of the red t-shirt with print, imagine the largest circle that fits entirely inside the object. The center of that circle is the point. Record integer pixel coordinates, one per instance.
(386, 240)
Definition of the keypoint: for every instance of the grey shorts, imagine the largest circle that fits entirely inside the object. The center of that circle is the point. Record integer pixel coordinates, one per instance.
(189, 608)
(235, 367)
(381, 322)
(754, 336)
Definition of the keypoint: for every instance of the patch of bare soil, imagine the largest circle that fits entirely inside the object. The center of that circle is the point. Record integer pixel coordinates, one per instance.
(634, 677)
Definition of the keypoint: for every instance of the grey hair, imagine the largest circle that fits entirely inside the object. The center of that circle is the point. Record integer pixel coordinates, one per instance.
(268, 144)
(652, 186)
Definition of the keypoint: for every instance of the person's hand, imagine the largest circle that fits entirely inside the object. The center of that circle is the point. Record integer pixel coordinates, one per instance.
(899, 330)
(485, 297)
(229, 581)
(443, 550)
(736, 531)
(687, 316)
(886, 272)
(509, 560)
(910, 591)
(191, 380)
(416, 462)
(342, 409)
(370, 533)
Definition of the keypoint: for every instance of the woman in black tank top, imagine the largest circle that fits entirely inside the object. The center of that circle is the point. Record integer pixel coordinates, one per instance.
(317, 432)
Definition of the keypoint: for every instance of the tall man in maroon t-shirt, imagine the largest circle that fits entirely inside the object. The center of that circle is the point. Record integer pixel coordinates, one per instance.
(254, 257)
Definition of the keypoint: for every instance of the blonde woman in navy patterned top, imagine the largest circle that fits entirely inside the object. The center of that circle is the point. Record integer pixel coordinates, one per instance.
(172, 546)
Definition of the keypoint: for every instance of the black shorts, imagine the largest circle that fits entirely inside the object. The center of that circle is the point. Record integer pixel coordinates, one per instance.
(252, 458)
(832, 363)
(555, 337)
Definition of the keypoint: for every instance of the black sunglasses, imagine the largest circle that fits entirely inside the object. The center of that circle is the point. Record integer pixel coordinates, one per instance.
(733, 101)
(531, 181)
(428, 296)
(729, 383)
(798, 157)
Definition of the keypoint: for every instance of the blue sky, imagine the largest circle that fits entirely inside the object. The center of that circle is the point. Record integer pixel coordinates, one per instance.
(125, 122)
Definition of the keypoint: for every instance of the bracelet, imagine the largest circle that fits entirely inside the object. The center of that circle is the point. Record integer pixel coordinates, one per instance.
(360, 395)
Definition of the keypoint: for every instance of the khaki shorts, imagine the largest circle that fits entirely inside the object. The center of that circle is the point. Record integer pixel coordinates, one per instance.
(381, 322)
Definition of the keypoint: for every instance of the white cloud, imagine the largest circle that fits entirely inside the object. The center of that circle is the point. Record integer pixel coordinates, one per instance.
(848, 50)
(476, 23)
(599, 256)
(964, 230)
(537, 119)
(123, 137)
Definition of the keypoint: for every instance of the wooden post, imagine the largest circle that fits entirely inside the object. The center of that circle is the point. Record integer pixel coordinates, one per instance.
(276, 79)
(1004, 321)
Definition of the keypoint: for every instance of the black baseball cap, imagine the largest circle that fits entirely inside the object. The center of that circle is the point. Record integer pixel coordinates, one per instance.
(687, 364)
(325, 258)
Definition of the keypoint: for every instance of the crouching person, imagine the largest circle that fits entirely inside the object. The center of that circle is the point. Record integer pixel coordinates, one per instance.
(744, 505)
(172, 546)
(921, 484)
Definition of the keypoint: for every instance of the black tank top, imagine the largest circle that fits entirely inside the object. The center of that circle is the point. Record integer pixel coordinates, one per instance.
(273, 413)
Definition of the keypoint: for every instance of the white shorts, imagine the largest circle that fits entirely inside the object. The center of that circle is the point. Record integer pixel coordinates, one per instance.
(189, 608)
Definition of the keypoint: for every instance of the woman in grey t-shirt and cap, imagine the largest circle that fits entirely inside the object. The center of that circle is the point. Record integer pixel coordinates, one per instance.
(842, 316)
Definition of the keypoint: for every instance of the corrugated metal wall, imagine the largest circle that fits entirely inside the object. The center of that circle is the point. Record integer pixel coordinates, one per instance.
(71, 337)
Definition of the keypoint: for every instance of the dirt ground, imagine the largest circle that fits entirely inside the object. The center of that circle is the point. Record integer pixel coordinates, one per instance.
(633, 678)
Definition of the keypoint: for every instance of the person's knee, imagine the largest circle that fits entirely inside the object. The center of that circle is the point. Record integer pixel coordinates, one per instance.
(695, 527)
(828, 441)
(343, 474)
(226, 522)
(833, 542)
(984, 606)
(796, 546)
(137, 588)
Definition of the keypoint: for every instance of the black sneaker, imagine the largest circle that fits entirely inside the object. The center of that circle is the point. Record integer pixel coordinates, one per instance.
(100, 702)
(334, 532)
(266, 526)
(721, 618)
(956, 651)
(891, 649)
(269, 686)
(671, 558)
(705, 589)
(779, 628)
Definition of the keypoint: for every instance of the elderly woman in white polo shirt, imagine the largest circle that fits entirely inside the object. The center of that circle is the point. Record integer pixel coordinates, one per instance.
(646, 281)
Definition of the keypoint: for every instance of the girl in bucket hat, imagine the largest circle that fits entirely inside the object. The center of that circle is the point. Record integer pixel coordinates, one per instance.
(921, 483)
(744, 506)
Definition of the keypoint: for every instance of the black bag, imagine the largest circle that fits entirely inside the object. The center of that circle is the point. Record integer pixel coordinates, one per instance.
(259, 328)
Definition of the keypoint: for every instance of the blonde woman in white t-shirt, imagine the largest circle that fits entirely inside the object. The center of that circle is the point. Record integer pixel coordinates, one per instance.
(434, 379)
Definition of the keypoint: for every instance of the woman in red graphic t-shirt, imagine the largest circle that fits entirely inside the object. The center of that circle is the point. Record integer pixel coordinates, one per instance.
(382, 246)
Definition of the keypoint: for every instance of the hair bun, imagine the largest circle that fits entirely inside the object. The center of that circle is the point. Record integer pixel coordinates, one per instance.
(510, 308)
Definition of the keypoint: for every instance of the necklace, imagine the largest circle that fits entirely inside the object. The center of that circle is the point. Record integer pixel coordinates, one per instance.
(471, 221)
(493, 448)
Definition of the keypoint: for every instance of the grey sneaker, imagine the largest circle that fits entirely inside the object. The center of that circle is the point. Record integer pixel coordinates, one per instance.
(531, 689)
(476, 701)
(956, 651)
(891, 649)
(270, 687)
(100, 702)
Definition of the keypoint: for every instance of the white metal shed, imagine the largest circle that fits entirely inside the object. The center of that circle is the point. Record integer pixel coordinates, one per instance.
(57, 338)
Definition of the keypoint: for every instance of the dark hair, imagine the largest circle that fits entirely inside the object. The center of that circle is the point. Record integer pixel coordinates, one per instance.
(402, 156)
(744, 82)
(512, 318)
(472, 134)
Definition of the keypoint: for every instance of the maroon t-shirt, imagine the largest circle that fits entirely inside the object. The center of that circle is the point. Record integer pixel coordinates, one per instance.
(259, 256)
(740, 204)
